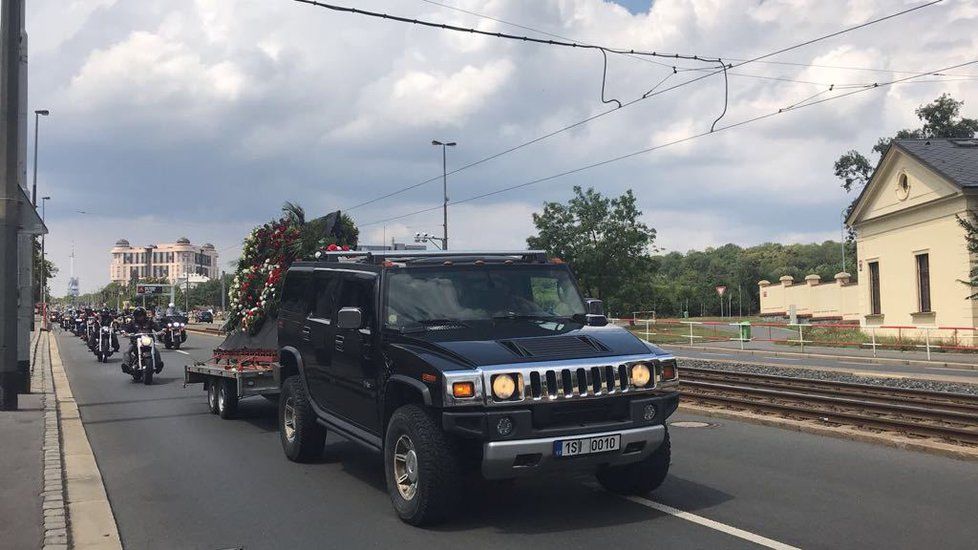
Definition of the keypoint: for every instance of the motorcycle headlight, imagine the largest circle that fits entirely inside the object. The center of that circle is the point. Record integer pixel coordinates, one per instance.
(146, 340)
(169, 325)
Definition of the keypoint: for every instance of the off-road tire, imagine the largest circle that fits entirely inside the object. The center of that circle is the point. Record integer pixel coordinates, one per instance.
(439, 467)
(308, 437)
(641, 477)
(168, 345)
(227, 398)
(148, 377)
(212, 385)
(176, 345)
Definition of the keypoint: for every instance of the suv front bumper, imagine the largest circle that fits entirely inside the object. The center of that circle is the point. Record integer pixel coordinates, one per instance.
(508, 459)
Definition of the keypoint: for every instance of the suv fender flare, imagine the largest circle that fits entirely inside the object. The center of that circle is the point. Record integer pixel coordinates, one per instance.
(296, 356)
(415, 384)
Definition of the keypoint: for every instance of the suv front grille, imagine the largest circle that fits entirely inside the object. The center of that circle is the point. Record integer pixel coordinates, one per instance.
(577, 382)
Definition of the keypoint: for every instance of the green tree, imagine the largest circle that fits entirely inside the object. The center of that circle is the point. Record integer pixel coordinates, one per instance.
(603, 241)
(970, 225)
(44, 270)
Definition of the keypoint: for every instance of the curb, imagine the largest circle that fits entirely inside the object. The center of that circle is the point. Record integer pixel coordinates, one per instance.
(853, 358)
(53, 507)
(838, 432)
(91, 523)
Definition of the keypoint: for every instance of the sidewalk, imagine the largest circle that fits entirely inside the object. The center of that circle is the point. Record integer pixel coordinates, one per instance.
(21, 459)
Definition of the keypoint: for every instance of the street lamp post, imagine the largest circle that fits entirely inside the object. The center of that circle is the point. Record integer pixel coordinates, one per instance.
(44, 266)
(444, 182)
(37, 114)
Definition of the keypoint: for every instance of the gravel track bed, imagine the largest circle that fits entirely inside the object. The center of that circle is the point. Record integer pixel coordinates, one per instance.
(812, 374)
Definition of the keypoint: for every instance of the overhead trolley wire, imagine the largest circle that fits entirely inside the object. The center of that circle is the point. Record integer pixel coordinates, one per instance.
(647, 95)
(667, 144)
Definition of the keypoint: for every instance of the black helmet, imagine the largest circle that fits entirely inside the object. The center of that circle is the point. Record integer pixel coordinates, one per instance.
(139, 314)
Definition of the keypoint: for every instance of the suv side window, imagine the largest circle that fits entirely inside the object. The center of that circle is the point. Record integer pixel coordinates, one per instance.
(296, 296)
(359, 291)
(327, 284)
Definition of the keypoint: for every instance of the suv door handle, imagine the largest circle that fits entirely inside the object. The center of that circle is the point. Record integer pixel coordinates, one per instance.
(306, 333)
(338, 343)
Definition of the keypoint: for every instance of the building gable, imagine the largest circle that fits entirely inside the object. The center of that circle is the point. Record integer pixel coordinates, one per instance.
(900, 182)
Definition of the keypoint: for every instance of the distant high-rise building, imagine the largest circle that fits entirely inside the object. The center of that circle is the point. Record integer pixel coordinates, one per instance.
(171, 261)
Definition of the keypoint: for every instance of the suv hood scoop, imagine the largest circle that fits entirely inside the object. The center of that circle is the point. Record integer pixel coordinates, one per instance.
(555, 347)
(583, 343)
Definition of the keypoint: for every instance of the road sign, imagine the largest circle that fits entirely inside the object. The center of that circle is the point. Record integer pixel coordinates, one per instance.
(721, 289)
(150, 290)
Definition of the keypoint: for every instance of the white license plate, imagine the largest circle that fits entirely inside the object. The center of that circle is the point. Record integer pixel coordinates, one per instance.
(587, 445)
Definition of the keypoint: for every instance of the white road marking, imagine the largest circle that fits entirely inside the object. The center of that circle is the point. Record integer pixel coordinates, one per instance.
(709, 523)
(786, 359)
(181, 351)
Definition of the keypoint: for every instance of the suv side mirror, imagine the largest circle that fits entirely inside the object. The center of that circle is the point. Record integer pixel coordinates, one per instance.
(595, 313)
(349, 318)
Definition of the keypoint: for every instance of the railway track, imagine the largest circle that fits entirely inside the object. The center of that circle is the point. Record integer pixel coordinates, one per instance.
(921, 413)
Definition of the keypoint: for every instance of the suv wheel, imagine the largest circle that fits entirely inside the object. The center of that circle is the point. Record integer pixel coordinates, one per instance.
(422, 467)
(302, 437)
(640, 477)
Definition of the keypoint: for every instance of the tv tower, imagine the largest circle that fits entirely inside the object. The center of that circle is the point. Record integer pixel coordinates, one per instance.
(72, 280)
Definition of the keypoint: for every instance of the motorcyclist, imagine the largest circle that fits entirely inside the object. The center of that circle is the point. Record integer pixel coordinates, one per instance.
(141, 323)
(105, 319)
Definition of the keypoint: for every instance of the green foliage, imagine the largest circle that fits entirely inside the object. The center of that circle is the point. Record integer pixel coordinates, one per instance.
(43, 270)
(603, 241)
(854, 169)
(970, 225)
(679, 283)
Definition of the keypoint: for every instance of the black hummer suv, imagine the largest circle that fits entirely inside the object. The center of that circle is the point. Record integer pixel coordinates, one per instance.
(457, 363)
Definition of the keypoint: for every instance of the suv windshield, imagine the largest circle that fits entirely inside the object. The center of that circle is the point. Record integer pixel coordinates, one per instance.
(419, 295)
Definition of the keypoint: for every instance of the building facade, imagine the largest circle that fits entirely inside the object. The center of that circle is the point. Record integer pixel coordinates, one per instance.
(170, 261)
(913, 260)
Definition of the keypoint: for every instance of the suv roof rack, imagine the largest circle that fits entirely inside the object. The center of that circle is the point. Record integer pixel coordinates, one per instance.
(426, 256)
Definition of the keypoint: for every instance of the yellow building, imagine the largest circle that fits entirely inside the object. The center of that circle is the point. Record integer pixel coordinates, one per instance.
(172, 261)
(912, 254)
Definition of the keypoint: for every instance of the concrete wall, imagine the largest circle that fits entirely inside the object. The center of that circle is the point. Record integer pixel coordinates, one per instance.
(837, 300)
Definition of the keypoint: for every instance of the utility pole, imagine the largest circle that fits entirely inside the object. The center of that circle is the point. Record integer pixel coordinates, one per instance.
(444, 184)
(11, 30)
(37, 117)
(44, 267)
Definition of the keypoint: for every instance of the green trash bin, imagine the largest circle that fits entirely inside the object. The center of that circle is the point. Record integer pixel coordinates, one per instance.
(744, 331)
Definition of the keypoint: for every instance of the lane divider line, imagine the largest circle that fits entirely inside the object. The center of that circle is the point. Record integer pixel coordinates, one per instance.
(711, 524)
(91, 521)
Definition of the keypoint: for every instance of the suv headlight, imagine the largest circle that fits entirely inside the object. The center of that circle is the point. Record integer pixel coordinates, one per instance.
(503, 386)
(640, 375)
(146, 340)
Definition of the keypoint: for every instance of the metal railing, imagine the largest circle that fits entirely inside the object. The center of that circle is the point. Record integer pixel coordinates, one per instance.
(928, 339)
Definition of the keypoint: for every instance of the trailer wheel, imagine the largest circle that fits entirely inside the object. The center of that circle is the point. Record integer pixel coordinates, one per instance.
(227, 398)
(212, 384)
(302, 438)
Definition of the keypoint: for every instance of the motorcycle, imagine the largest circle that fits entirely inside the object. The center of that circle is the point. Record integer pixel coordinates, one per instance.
(104, 347)
(145, 360)
(79, 327)
(174, 334)
(91, 329)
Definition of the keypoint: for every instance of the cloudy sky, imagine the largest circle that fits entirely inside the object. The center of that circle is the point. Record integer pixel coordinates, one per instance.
(200, 117)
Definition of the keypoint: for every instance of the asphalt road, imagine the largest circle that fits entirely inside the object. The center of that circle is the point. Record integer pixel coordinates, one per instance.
(179, 477)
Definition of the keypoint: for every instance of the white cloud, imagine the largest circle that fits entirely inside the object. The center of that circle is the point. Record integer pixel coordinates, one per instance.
(220, 111)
